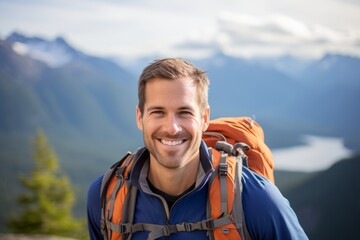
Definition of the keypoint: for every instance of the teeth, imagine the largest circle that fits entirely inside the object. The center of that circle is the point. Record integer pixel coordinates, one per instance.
(171, 143)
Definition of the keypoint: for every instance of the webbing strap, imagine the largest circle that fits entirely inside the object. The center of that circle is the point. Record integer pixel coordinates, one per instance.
(119, 183)
(128, 212)
(223, 172)
(157, 231)
(238, 211)
(104, 201)
(126, 228)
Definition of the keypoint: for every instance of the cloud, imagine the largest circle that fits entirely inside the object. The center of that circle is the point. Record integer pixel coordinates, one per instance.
(183, 27)
(248, 36)
(354, 2)
(266, 30)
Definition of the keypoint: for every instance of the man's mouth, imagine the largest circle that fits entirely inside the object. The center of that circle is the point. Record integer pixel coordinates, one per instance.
(172, 143)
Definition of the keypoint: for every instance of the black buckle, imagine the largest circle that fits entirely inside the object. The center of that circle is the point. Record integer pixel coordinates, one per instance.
(172, 229)
(123, 229)
(169, 229)
(188, 227)
(209, 224)
(223, 169)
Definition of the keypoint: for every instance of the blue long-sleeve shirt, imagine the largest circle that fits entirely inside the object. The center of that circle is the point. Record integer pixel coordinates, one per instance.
(268, 214)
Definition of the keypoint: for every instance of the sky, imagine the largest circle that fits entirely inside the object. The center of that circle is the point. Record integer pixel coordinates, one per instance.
(187, 28)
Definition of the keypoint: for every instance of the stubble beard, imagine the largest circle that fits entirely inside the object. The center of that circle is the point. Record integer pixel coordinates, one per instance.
(168, 159)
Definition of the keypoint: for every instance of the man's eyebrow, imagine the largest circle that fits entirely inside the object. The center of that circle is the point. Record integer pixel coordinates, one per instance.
(186, 108)
(154, 108)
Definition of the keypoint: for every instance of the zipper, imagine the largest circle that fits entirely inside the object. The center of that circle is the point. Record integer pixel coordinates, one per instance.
(165, 208)
(167, 211)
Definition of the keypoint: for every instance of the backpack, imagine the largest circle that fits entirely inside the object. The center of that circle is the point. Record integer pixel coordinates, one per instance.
(227, 139)
(246, 130)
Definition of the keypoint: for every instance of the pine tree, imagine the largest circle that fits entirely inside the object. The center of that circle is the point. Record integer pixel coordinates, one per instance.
(46, 206)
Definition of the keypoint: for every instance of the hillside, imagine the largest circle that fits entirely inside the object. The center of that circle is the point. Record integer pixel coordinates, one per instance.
(84, 107)
(287, 180)
(328, 204)
(318, 100)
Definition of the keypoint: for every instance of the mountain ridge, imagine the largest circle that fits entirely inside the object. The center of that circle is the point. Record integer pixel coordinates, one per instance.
(327, 204)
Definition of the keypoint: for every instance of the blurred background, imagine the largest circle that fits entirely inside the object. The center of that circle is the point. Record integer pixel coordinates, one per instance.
(69, 70)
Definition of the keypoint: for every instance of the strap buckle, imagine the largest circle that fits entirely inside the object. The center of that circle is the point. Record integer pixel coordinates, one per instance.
(188, 227)
(208, 224)
(170, 229)
(223, 169)
(123, 229)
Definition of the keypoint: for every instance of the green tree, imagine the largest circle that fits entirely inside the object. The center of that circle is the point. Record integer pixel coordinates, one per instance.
(46, 206)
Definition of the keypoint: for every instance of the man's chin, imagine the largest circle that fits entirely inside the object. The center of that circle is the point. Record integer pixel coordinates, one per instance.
(169, 163)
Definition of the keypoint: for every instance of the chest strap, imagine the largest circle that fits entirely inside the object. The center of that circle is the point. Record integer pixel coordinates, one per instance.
(157, 231)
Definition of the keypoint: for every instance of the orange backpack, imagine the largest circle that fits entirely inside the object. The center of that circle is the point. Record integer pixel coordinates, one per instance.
(246, 130)
(226, 217)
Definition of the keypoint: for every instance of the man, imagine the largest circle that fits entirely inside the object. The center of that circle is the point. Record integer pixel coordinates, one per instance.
(172, 173)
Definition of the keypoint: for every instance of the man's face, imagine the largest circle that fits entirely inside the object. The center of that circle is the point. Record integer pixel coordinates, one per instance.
(172, 122)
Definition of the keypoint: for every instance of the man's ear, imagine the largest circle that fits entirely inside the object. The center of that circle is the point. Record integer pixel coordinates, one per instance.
(139, 118)
(206, 118)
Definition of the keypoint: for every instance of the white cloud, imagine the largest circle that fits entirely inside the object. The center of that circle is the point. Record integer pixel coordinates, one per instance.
(249, 35)
(135, 28)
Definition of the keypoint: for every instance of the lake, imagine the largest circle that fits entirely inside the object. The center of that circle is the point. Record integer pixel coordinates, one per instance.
(318, 153)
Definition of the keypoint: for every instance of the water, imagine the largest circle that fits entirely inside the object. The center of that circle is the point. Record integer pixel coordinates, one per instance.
(319, 153)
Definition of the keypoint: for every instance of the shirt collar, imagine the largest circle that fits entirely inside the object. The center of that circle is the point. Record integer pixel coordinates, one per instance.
(140, 169)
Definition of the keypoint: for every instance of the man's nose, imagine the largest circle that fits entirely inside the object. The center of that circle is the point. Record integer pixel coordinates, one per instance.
(172, 125)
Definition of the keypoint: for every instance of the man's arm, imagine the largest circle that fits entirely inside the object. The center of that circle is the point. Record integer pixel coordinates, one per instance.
(268, 214)
(94, 209)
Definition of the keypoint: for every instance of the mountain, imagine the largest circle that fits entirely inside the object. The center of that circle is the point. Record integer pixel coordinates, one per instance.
(327, 205)
(85, 99)
(333, 91)
(85, 106)
(319, 98)
(54, 53)
(289, 97)
(287, 64)
(287, 180)
(84, 93)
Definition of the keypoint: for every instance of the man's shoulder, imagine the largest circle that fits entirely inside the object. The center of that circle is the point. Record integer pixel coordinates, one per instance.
(260, 192)
(95, 187)
(267, 211)
(94, 208)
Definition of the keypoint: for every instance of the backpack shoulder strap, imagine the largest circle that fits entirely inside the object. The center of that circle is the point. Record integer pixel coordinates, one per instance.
(110, 172)
(117, 169)
(229, 153)
(238, 210)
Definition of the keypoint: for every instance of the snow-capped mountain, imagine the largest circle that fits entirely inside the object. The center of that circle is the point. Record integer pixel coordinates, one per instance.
(55, 53)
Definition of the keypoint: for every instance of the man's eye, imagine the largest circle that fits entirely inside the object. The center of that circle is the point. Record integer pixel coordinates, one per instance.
(185, 113)
(157, 113)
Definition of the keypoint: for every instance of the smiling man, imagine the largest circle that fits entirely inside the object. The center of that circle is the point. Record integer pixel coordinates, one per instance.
(172, 123)
(162, 191)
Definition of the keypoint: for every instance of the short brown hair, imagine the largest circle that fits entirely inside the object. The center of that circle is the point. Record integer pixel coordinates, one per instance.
(171, 69)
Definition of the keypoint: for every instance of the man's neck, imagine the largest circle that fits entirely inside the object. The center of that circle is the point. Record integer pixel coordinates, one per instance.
(173, 181)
